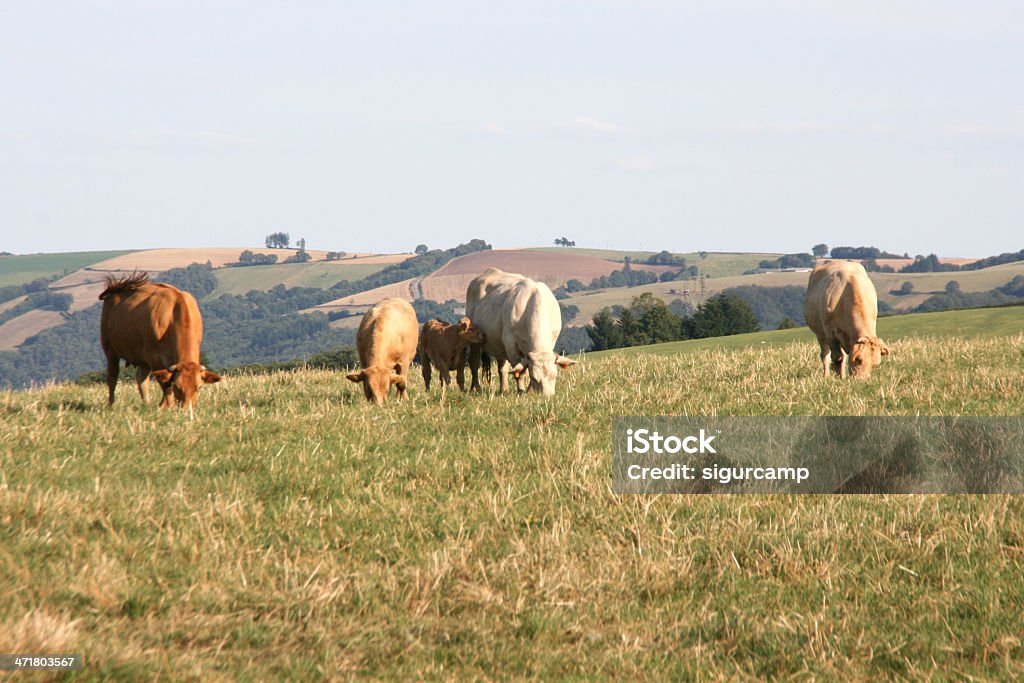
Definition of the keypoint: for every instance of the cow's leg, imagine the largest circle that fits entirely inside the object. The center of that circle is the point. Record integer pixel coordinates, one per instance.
(168, 390)
(485, 361)
(460, 369)
(425, 365)
(444, 373)
(837, 358)
(474, 366)
(401, 386)
(142, 379)
(504, 370)
(113, 372)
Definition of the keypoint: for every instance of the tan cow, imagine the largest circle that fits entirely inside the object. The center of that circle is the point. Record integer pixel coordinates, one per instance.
(158, 329)
(841, 309)
(387, 344)
(444, 346)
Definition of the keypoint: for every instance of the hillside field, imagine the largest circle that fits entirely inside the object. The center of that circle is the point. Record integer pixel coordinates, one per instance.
(925, 284)
(1004, 321)
(17, 270)
(294, 531)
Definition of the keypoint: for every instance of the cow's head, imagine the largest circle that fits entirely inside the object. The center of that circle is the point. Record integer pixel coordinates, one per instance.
(469, 332)
(185, 380)
(377, 382)
(542, 369)
(866, 354)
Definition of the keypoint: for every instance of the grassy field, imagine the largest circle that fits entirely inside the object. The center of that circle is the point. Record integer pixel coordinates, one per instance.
(1005, 321)
(321, 274)
(16, 270)
(717, 263)
(292, 530)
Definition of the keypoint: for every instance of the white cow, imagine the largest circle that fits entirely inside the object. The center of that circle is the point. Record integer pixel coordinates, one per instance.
(520, 320)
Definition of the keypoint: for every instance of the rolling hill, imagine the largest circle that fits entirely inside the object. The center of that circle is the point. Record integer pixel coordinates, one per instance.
(450, 281)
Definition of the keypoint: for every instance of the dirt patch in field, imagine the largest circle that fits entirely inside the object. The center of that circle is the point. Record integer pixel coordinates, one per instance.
(14, 332)
(450, 281)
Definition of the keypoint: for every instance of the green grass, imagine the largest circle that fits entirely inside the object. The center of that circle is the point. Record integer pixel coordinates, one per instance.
(973, 322)
(318, 274)
(16, 270)
(293, 531)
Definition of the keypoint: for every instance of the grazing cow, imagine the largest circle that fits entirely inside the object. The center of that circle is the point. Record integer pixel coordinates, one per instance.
(841, 309)
(387, 344)
(444, 346)
(520, 320)
(158, 329)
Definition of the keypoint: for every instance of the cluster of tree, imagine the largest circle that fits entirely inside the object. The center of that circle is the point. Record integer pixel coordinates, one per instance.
(421, 249)
(788, 261)
(1012, 293)
(665, 258)
(648, 320)
(334, 255)
(1006, 257)
(565, 242)
(47, 299)
(14, 291)
(300, 256)
(863, 253)
(772, 305)
(569, 311)
(247, 258)
(871, 265)
(278, 240)
(929, 264)
(932, 264)
(626, 277)
(196, 278)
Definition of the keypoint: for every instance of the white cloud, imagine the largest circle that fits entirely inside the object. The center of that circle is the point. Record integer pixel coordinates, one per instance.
(636, 162)
(594, 125)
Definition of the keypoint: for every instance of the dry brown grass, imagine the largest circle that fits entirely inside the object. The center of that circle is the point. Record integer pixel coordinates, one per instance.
(293, 530)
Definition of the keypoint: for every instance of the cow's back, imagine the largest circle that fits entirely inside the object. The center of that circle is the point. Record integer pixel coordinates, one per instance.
(153, 324)
(840, 296)
(488, 299)
(388, 334)
(535, 317)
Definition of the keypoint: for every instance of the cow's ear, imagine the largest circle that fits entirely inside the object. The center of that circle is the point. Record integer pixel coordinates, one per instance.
(518, 370)
(355, 376)
(163, 376)
(210, 377)
(885, 349)
(564, 362)
(396, 378)
(464, 325)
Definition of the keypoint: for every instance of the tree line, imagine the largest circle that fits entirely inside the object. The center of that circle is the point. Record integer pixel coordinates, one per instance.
(649, 320)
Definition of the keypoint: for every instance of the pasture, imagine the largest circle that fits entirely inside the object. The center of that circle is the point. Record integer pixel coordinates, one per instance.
(17, 270)
(293, 530)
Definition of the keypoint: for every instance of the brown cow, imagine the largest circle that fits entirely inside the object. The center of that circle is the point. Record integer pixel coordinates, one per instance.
(158, 329)
(387, 344)
(444, 346)
(841, 309)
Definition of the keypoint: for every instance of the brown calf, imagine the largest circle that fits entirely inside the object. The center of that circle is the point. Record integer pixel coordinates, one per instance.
(444, 346)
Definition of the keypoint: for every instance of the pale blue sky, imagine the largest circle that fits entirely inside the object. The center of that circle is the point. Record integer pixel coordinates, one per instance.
(374, 126)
